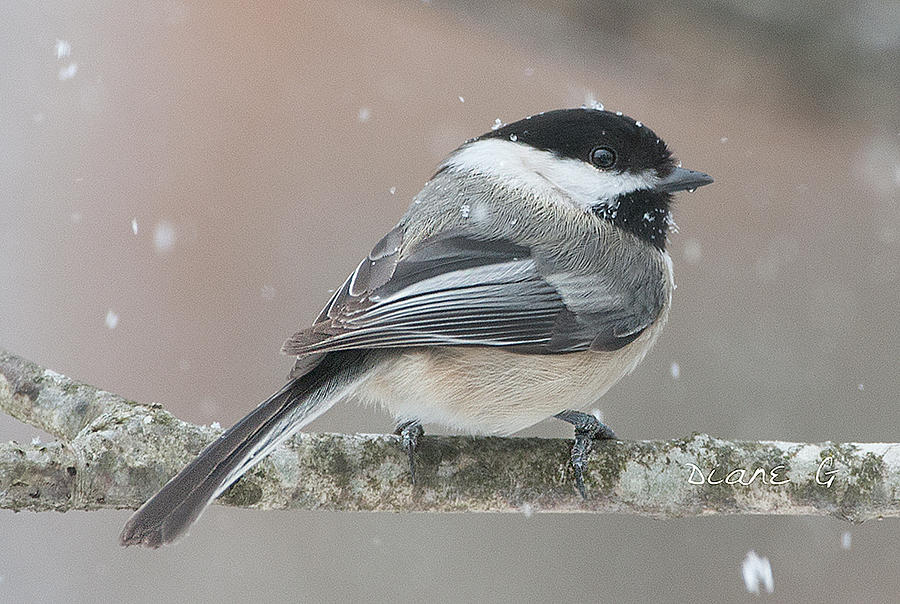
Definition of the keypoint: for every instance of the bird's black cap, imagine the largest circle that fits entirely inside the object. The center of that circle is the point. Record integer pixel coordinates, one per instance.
(576, 133)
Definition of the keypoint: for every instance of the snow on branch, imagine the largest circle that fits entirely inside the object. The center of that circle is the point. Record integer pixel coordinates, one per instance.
(115, 453)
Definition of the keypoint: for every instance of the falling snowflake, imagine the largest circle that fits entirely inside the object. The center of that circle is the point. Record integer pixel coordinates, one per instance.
(63, 49)
(756, 570)
(163, 236)
(68, 72)
(693, 251)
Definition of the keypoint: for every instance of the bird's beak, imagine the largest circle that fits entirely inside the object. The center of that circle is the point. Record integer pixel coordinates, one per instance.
(682, 179)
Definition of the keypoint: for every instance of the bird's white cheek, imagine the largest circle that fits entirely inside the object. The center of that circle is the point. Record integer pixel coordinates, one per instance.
(546, 175)
(590, 188)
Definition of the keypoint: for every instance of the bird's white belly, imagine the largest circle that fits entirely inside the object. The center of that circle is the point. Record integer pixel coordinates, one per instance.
(493, 391)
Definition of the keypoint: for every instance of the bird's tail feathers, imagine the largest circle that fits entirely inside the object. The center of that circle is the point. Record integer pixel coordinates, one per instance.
(168, 514)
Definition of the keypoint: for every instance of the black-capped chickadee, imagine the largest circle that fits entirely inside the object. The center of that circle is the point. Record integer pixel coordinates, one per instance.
(525, 279)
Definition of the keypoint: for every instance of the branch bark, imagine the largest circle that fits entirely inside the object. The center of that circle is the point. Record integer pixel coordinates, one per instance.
(115, 453)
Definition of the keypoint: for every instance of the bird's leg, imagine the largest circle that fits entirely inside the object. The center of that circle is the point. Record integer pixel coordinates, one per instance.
(409, 433)
(587, 429)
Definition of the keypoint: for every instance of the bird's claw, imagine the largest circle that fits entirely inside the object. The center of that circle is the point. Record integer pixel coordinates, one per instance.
(587, 429)
(409, 433)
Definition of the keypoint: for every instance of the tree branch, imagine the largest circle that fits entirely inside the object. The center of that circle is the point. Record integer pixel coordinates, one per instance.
(115, 453)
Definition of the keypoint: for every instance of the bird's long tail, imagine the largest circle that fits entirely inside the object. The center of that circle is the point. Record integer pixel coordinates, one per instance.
(168, 514)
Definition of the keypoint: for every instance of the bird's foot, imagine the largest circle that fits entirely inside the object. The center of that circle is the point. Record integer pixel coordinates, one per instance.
(587, 429)
(409, 433)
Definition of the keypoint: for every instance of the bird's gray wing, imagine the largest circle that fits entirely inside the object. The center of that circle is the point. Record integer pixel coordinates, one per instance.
(456, 289)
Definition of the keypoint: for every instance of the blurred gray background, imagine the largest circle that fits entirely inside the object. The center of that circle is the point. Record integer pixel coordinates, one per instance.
(261, 151)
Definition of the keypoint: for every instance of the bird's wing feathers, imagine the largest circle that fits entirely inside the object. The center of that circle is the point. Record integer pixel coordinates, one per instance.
(455, 289)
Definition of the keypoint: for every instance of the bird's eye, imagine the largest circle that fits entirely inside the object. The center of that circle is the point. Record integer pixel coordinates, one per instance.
(603, 157)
